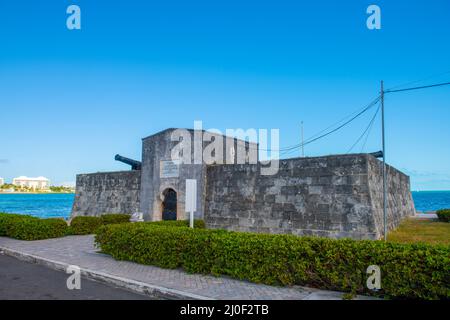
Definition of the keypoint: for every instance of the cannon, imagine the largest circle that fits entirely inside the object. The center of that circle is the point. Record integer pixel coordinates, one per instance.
(378, 154)
(135, 165)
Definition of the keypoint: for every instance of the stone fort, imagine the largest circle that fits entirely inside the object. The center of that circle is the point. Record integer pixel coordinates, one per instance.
(333, 196)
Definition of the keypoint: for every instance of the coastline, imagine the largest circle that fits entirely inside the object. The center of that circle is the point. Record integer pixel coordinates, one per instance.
(40, 204)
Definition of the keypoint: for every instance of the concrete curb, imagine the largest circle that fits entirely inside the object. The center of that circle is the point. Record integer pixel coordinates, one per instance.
(150, 290)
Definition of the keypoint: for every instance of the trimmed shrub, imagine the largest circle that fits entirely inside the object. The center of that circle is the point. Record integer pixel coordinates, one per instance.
(25, 227)
(84, 225)
(199, 224)
(113, 218)
(443, 215)
(5, 221)
(407, 270)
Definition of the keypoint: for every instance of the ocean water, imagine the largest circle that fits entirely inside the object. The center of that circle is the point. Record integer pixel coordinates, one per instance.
(60, 205)
(52, 205)
(431, 200)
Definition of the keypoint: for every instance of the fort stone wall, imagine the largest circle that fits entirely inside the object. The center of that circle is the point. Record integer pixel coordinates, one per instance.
(400, 203)
(332, 196)
(107, 192)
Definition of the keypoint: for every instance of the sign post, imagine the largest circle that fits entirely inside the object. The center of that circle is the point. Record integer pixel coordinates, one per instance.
(191, 199)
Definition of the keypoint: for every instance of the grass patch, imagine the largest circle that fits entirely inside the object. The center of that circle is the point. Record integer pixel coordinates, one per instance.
(421, 230)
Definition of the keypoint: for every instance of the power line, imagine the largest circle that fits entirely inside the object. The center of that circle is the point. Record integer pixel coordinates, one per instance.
(365, 131)
(343, 125)
(367, 136)
(416, 88)
(354, 115)
(375, 100)
(309, 141)
(416, 81)
(321, 134)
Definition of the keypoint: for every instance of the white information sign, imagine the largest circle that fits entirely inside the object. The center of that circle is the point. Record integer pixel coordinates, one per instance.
(191, 199)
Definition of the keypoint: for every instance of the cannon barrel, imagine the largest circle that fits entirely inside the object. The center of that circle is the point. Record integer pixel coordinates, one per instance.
(135, 165)
(378, 154)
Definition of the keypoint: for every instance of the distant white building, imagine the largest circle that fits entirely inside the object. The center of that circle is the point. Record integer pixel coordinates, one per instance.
(2, 181)
(34, 183)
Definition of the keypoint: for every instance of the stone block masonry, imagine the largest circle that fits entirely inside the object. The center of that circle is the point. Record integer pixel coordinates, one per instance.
(157, 149)
(399, 199)
(107, 192)
(333, 196)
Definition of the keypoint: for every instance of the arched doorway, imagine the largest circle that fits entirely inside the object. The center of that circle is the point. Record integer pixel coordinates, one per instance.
(169, 205)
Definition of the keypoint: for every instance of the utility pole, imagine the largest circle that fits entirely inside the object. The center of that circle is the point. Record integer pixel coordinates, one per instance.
(384, 162)
(303, 140)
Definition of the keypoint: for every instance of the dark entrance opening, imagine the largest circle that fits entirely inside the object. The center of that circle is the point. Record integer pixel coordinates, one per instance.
(169, 211)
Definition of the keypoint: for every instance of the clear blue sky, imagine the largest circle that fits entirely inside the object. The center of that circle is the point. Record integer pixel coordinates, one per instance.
(71, 100)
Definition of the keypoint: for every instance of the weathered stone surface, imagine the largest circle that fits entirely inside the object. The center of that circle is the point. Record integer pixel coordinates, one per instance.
(121, 192)
(334, 196)
(107, 192)
(155, 149)
(399, 201)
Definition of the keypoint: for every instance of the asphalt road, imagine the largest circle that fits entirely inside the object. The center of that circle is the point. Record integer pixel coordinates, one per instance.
(25, 281)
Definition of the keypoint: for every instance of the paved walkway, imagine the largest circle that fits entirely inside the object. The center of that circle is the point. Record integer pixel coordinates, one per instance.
(163, 283)
(426, 215)
(21, 280)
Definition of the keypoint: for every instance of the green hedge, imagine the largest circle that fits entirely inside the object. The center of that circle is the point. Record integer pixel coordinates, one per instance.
(200, 224)
(6, 219)
(84, 225)
(25, 227)
(407, 270)
(89, 224)
(443, 215)
(113, 218)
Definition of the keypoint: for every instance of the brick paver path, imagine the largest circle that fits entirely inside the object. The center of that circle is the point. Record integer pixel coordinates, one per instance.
(80, 251)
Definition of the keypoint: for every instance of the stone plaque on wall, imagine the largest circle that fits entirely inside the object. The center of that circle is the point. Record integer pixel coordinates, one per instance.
(169, 169)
